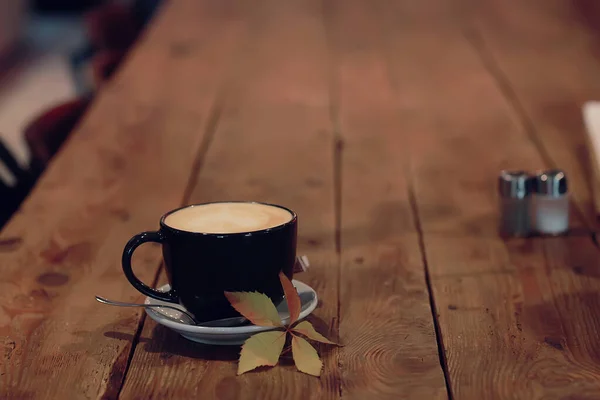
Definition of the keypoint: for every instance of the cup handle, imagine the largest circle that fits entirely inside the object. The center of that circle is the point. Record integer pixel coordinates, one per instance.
(133, 244)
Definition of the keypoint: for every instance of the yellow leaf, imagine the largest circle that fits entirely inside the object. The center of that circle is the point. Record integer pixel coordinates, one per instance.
(256, 307)
(305, 328)
(291, 296)
(305, 356)
(261, 349)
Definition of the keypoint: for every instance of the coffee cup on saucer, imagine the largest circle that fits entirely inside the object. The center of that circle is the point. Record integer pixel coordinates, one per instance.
(212, 248)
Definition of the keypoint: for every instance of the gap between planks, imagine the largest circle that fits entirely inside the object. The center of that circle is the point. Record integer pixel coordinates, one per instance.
(412, 198)
(338, 149)
(208, 137)
(209, 133)
(476, 41)
(413, 204)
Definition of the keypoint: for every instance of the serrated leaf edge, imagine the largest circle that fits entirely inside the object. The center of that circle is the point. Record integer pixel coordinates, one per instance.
(325, 341)
(283, 333)
(278, 325)
(316, 352)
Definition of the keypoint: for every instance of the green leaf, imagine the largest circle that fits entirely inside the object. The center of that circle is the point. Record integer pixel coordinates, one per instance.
(305, 356)
(256, 307)
(261, 349)
(291, 296)
(307, 329)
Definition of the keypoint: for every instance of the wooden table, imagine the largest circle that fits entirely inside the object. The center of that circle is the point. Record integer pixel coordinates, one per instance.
(384, 125)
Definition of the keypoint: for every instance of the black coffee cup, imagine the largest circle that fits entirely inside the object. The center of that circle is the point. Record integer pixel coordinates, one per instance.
(201, 266)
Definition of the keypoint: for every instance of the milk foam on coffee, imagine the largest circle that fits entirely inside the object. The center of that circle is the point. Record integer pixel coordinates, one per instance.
(228, 218)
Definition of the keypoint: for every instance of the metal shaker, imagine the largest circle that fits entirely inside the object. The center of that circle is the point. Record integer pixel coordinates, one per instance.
(515, 189)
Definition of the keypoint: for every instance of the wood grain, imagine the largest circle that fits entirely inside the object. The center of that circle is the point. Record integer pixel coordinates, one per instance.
(385, 316)
(273, 143)
(384, 125)
(521, 314)
(547, 77)
(128, 162)
(501, 306)
(542, 290)
(453, 116)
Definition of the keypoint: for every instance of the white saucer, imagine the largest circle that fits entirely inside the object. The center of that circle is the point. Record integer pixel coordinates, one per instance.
(226, 335)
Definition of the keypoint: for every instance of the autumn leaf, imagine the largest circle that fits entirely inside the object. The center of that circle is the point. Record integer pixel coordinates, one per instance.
(262, 349)
(256, 307)
(291, 296)
(305, 356)
(307, 329)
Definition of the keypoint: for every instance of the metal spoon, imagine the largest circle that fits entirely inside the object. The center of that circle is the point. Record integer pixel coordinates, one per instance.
(190, 320)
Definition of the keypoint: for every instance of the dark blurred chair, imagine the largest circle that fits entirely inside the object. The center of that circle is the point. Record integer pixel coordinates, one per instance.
(11, 195)
(44, 136)
(111, 26)
(105, 64)
(112, 29)
(63, 6)
(46, 133)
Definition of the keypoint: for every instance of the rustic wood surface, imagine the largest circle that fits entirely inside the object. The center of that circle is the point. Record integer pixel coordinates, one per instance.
(273, 143)
(519, 318)
(385, 317)
(384, 125)
(116, 176)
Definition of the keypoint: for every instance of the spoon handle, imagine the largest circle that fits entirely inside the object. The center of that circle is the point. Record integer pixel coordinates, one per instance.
(122, 304)
(118, 303)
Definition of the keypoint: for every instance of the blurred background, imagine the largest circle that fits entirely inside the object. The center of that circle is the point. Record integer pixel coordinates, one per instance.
(54, 56)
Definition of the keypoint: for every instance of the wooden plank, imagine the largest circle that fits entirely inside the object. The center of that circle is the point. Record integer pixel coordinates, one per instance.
(273, 143)
(129, 161)
(517, 318)
(548, 74)
(502, 306)
(434, 105)
(385, 316)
